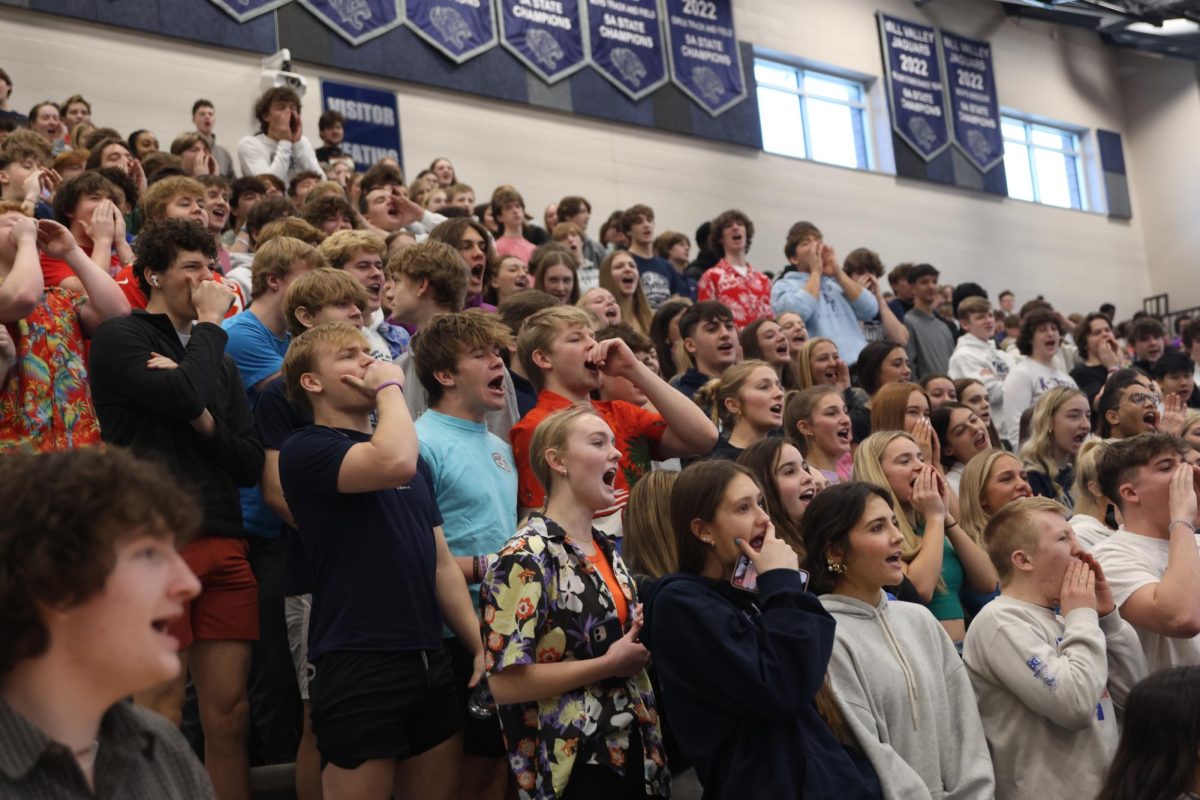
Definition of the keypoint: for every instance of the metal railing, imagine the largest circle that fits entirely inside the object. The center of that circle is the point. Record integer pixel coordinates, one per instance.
(1159, 305)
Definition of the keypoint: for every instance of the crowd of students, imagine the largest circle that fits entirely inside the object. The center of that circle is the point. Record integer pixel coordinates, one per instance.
(431, 501)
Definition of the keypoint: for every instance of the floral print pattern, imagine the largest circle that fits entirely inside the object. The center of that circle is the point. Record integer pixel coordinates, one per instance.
(45, 402)
(748, 297)
(542, 602)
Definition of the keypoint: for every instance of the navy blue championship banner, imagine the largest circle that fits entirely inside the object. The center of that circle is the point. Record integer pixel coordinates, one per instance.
(703, 52)
(372, 121)
(545, 35)
(459, 29)
(974, 108)
(357, 21)
(243, 10)
(625, 44)
(915, 91)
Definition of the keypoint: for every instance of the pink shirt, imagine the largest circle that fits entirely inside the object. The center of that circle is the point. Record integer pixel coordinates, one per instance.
(516, 246)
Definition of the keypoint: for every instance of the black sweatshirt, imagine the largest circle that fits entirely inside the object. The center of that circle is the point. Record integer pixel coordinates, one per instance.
(149, 410)
(739, 673)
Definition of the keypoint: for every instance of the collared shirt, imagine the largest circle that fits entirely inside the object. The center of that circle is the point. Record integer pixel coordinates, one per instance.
(746, 292)
(544, 602)
(140, 756)
(46, 402)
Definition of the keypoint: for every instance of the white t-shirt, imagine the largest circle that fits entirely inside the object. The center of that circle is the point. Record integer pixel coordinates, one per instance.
(1131, 561)
(1089, 530)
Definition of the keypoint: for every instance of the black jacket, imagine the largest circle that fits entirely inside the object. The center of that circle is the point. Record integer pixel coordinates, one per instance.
(149, 410)
(739, 673)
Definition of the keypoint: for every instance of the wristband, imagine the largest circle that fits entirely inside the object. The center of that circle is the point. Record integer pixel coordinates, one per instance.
(386, 384)
(1175, 522)
(951, 524)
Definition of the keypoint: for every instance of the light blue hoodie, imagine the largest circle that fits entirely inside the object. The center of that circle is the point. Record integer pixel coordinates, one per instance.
(831, 315)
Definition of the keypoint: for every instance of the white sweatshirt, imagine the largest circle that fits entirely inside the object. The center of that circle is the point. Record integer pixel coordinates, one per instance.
(906, 696)
(982, 360)
(1026, 382)
(260, 154)
(1047, 687)
(1089, 530)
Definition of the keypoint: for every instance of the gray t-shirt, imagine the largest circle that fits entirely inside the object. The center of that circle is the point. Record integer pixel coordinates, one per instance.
(930, 343)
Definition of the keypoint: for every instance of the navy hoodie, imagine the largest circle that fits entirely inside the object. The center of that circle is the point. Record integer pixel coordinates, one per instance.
(739, 673)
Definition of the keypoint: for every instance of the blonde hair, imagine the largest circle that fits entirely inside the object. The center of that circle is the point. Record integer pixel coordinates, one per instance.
(1038, 453)
(804, 361)
(161, 193)
(292, 227)
(315, 290)
(1012, 528)
(275, 259)
(1189, 421)
(341, 246)
(972, 487)
(715, 392)
(539, 332)
(306, 348)
(552, 433)
(649, 544)
(868, 467)
(1087, 472)
(634, 310)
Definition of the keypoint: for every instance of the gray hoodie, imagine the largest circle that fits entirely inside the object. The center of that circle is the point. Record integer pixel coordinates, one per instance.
(906, 696)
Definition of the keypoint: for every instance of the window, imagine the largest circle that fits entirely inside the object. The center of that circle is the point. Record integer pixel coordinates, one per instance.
(814, 115)
(1042, 163)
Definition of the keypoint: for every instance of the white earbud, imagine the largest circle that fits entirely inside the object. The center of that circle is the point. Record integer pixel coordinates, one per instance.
(154, 280)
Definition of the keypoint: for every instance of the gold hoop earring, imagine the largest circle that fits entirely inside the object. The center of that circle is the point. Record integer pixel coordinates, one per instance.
(835, 567)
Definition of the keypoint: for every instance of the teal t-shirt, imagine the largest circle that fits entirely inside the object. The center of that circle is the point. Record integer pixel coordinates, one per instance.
(474, 481)
(945, 604)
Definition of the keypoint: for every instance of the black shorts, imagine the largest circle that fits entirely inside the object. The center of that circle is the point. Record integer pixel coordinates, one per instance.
(481, 737)
(382, 705)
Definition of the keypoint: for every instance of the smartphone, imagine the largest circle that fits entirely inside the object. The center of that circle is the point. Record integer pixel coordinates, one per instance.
(600, 637)
(745, 576)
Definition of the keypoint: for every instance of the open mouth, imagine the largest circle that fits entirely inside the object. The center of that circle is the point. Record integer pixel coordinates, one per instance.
(610, 477)
(591, 365)
(725, 347)
(896, 560)
(1080, 437)
(776, 409)
(808, 494)
(496, 384)
(981, 440)
(843, 435)
(757, 542)
(612, 313)
(831, 375)
(1150, 418)
(373, 289)
(781, 349)
(522, 282)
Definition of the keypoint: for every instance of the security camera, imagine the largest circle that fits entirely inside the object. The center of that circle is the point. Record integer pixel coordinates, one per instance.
(281, 61)
(288, 80)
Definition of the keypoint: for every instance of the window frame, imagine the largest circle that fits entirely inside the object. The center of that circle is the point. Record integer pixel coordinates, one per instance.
(861, 106)
(1076, 154)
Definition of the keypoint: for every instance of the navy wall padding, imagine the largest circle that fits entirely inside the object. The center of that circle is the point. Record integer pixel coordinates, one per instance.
(195, 20)
(401, 55)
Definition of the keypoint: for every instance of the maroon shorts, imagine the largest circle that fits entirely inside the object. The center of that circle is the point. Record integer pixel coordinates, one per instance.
(227, 607)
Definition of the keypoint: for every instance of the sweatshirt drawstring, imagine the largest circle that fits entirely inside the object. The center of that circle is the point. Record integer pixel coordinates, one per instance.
(904, 666)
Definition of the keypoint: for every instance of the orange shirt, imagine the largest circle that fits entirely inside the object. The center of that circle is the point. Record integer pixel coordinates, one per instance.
(133, 291)
(601, 564)
(638, 436)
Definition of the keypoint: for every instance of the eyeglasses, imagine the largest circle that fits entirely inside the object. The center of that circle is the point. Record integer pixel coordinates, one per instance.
(1141, 398)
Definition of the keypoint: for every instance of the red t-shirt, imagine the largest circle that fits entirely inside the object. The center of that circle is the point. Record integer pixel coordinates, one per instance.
(638, 434)
(55, 270)
(133, 292)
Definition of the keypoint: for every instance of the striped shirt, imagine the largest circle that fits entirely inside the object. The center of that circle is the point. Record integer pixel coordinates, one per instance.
(140, 756)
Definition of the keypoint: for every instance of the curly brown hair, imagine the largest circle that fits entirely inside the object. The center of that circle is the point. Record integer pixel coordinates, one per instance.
(65, 513)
